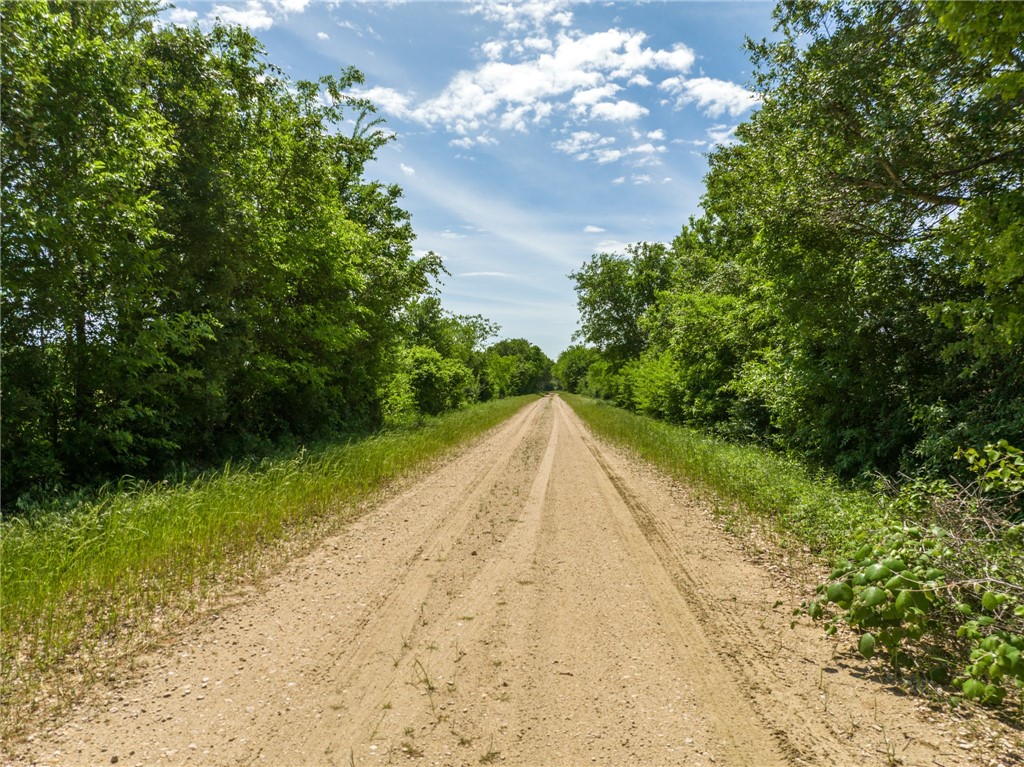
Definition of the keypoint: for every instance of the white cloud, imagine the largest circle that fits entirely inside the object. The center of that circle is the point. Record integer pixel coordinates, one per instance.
(254, 15)
(642, 178)
(590, 229)
(582, 144)
(611, 246)
(493, 49)
(619, 180)
(722, 135)
(640, 80)
(715, 97)
(588, 145)
(538, 43)
(504, 275)
(290, 6)
(620, 111)
(406, 169)
(520, 16)
(656, 135)
(467, 142)
(389, 100)
(181, 17)
(576, 72)
(322, 36)
(591, 96)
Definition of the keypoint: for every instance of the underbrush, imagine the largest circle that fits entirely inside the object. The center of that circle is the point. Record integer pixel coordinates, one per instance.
(77, 576)
(927, 573)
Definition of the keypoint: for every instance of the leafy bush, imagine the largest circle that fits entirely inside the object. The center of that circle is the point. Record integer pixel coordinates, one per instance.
(942, 593)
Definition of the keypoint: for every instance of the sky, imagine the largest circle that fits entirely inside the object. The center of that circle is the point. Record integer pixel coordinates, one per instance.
(529, 135)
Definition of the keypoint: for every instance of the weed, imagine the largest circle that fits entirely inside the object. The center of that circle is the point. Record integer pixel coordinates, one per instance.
(411, 750)
(490, 756)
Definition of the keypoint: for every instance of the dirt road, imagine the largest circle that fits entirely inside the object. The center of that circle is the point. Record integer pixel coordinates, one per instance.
(537, 600)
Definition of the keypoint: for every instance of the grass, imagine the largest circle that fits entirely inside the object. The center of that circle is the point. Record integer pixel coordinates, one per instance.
(77, 582)
(801, 507)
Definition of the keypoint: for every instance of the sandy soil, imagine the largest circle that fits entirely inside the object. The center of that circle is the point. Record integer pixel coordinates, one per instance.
(537, 600)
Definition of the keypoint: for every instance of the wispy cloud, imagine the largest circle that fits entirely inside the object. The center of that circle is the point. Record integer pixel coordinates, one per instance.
(588, 145)
(722, 135)
(591, 229)
(503, 275)
(406, 169)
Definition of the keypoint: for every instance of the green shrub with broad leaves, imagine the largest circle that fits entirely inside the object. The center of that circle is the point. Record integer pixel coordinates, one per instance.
(942, 593)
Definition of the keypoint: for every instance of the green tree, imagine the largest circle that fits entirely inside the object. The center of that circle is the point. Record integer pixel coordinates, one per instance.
(613, 292)
(86, 336)
(570, 370)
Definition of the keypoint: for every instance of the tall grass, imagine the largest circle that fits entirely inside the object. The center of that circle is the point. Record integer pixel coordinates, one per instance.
(781, 494)
(74, 579)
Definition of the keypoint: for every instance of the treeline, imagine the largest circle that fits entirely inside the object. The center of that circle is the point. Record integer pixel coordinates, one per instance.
(854, 289)
(195, 265)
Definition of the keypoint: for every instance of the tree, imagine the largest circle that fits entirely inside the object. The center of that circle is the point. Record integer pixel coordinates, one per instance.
(570, 370)
(86, 337)
(613, 292)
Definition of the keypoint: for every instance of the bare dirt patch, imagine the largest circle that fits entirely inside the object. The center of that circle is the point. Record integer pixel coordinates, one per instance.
(541, 600)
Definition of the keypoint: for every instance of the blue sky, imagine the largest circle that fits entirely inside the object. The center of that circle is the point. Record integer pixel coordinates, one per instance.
(530, 135)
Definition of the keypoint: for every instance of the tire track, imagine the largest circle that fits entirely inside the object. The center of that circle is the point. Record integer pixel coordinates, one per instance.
(745, 737)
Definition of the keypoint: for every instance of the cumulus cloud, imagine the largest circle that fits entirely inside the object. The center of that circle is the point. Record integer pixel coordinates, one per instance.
(253, 15)
(715, 97)
(522, 16)
(524, 82)
(619, 111)
(180, 17)
(322, 36)
(406, 169)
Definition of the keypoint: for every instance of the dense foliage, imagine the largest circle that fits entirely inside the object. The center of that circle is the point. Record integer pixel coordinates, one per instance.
(853, 291)
(195, 265)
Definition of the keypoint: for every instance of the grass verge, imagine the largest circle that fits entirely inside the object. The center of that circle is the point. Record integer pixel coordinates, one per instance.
(756, 486)
(77, 581)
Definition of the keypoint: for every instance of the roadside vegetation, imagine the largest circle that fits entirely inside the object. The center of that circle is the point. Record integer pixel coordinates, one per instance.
(82, 581)
(851, 300)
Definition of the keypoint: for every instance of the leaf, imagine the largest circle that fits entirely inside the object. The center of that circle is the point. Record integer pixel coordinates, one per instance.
(867, 645)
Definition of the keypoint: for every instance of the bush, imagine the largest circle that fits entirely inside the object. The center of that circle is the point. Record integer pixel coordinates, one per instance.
(942, 593)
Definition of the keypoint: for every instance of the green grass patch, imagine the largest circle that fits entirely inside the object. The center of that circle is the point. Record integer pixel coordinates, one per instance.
(93, 576)
(801, 507)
